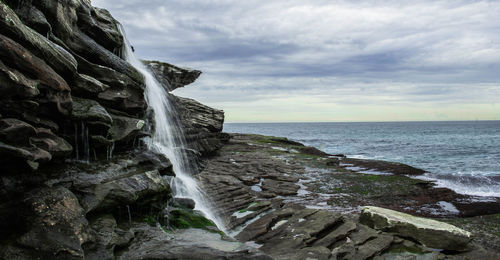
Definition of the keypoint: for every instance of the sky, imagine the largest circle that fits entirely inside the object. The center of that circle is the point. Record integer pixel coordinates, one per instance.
(318, 60)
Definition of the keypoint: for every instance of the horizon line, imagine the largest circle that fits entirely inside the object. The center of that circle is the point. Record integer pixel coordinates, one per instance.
(398, 121)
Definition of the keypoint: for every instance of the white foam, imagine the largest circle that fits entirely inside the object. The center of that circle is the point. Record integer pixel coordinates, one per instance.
(485, 190)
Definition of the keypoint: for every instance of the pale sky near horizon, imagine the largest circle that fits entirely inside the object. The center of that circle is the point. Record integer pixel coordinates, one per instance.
(319, 60)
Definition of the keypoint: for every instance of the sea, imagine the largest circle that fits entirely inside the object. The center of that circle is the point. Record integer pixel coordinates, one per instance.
(461, 155)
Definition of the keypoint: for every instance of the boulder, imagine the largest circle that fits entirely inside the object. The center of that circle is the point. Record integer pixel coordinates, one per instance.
(428, 232)
(57, 225)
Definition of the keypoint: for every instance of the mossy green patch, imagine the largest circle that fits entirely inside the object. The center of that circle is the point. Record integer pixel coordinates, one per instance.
(188, 219)
(150, 219)
(400, 248)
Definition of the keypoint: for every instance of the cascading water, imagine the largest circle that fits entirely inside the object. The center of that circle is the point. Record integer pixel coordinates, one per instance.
(168, 138)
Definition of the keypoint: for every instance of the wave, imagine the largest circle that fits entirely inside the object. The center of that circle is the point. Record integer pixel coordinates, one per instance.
(476, 185)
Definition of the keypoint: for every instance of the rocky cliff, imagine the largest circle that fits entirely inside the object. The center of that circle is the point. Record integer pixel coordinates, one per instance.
(74, 174)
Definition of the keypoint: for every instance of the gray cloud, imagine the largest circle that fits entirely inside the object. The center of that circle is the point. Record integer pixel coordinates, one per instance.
(381, 52)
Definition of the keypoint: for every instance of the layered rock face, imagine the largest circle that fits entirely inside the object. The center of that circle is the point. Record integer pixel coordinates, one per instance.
(72, 114)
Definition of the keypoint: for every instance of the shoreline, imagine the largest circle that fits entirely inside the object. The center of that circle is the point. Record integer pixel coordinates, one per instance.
(467, 167)
(380, 169)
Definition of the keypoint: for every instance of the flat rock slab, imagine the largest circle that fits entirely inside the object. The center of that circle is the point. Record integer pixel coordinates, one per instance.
(431, 233)
(154, 243)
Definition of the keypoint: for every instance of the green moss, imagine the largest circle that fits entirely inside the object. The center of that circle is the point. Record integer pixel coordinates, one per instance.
(180, 223)
(371, 177)
(187, 219)
(398, 249)
(150, 220)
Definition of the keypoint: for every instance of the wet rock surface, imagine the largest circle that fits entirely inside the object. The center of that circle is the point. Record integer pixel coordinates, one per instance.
(154, 243)
(313, 208)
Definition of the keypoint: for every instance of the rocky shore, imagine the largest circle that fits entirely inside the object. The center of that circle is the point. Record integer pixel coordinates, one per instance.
(78, 182)
(293, 200)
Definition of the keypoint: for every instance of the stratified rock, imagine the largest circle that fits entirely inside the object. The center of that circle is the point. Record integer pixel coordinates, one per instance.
(22, 142)
(294, 232)
(57, 224)
(280, 187)
(59, 59)
(87, 86)
(197, 115)
(431, 233)
(202, 124)
(69, 20)
(170, 76)
(55, 89)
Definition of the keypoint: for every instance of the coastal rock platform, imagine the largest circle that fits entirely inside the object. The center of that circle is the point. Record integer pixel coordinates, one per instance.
(297, 203)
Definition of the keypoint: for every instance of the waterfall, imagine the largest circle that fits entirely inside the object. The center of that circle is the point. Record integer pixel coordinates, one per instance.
(168, 138)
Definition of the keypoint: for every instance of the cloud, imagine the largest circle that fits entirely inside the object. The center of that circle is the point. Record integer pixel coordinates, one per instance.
(344, 52)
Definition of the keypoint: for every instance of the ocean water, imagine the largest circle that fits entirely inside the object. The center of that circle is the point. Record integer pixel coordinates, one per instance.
(461, 155)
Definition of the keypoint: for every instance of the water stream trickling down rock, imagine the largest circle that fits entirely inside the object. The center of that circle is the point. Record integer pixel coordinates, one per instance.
(168, 138)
